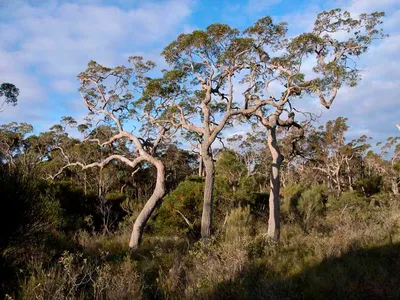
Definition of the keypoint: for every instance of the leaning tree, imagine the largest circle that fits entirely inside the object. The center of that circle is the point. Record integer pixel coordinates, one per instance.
(311, 65)
(110, 95)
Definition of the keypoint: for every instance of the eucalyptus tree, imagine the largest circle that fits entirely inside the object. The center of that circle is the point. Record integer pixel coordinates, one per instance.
(110, 96)
(312, 64)
(10, 93)
(387, 162)
(12, 136)
(333, 159)
(198, 94)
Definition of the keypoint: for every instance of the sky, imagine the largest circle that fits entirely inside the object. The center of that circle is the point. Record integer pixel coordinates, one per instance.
(44, 44)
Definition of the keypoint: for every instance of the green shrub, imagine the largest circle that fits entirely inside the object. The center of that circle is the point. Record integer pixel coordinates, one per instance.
(237, 225)
(347, 198)
(115, 196)
(291, 195)
(369, 185)
(180, 207)
(311, 203)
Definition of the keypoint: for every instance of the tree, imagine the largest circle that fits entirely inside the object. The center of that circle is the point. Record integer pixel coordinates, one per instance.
(250, 148)
(12, 137)
(108, 94)
(10, 93)
(197, 95)
(332, 58)
(387, 164)
(331, 158)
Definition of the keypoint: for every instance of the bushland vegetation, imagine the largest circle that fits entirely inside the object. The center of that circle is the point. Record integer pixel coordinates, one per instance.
(146, 205)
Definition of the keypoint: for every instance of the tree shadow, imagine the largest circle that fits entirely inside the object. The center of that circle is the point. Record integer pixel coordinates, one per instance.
(360, 274)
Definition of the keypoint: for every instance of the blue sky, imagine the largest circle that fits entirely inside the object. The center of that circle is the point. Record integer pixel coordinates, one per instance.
(44, 44)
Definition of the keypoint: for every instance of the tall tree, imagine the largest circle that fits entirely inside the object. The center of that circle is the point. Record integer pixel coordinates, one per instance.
(330, 49)
(198, 96)
(109, 95)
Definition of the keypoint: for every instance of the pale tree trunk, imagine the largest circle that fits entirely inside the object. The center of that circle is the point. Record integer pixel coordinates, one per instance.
(274, 205)
(337, 175)
(85, 183)
(149, 207)
(350, 178)
(351, 183)
(206, 219)
(330, 192)
(395, 186)
(201, 166)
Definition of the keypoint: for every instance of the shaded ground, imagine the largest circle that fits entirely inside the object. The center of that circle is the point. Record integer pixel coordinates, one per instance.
(361, 274)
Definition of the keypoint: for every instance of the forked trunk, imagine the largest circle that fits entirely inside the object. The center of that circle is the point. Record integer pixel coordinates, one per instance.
(274, 205)
(145, 214)
(206, 218)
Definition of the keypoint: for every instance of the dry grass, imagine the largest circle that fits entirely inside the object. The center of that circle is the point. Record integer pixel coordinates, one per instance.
(345, 246)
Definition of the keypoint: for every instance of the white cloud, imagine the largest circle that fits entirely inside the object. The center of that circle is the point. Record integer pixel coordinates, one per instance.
(260, 5)
(361, 6)
(64, 86)
(46, 43)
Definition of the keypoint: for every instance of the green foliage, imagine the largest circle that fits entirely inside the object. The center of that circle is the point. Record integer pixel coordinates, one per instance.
(115, 196)
(291, 195)
(183, 202)
(321, 241)
(304, 203)
(74, 204)
(238, 224)
(369, 185)
(312, 203)
(233, 185)
(10, 92)
(351, 197)
(26, 214)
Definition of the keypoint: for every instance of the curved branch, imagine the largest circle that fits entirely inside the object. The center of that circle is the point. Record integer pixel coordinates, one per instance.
(101, 164)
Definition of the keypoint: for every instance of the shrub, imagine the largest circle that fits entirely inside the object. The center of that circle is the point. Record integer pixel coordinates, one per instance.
(369, 185)
(291, 195)
(25, 212)
(311, 203)
(77, 277)
(181, 209)
(237, 226)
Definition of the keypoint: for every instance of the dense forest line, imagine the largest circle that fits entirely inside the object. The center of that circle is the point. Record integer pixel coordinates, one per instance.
(289, 210)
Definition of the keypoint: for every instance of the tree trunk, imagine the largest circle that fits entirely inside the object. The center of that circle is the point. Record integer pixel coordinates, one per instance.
(330, 192)
(274, 205)
(351, 183)
(339, 188)
(145, 214)
(206, 218)
(395, 186)
(85, 183)
(201, 166)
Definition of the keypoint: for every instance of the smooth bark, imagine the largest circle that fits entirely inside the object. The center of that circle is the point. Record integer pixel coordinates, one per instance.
(274, 205)
(201, 165)
(337, 175)
(144, 216)
(206, 218)
(395, 186)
